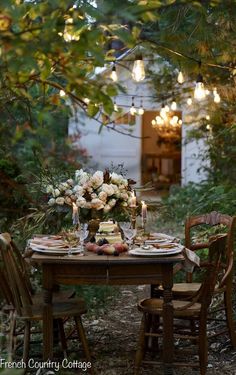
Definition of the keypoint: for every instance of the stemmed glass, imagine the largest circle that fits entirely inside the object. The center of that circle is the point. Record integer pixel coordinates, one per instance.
(128, 231)
(83, 234)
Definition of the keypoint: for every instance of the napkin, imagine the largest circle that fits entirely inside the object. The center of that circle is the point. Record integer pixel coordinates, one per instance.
(191, 260)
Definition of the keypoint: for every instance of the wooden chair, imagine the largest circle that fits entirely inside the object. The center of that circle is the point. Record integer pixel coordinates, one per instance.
(193, 310)
(28, 310)
(185, 289)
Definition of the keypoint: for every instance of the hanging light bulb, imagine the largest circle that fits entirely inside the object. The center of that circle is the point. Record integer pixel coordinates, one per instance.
(215, 91)
(189, 101)
(62, 93)
(138, 71)
(173, 105)
(153, 122)
(217, 98)
(180, 122)
(132, 108)
(207, 92)
(163, 112)
(208, 117)
(113, 75)
(180, 78)
(167, 108)
(199, 92)
(159, 120)
(87, 100)
(208, 127)
(141, 110)
(115, 106)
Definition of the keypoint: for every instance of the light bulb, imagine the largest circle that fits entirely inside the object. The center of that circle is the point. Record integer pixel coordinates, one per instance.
(138, 71)
(159, 120)
(173, 105)
(207, 117)
(113, 75)
(199, 92)
(180, 122)
(217, 98)
(163, 113)
(208, 127)
(167, 108)
(153, 122)
(87, 100)
(180, 78)
(207, 92)
(189, 101)
(141, 111)
(115, 107)
(62, 93)
(132, 108)
(175, 119)
(215, 91)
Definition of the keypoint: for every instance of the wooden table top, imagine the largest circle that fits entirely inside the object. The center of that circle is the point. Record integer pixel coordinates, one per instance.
(90, 258)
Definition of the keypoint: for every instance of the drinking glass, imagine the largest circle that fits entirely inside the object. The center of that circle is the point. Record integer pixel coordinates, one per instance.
(83, 234)
(128, 231)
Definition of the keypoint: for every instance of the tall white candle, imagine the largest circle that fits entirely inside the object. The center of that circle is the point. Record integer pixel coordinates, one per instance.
(133, 200)
(75, 214)
(144, 212)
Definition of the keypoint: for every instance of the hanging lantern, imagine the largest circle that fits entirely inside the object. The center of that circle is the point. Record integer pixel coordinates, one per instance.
(138, 71)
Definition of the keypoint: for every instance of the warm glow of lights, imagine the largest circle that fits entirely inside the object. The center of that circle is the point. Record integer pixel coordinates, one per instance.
(208, 127)
(167, 108)
(180, 122)
(141, 111)
(180, 78)
(199, 92)
(115, 107)
(173, 105)
(62, 93)
(159, 120)
(189, 101)
(208, 117)
(113, 75)
(153, 122)
(207, 92)
(217, 98)
(132, 110)
(138, 71)
(87, 100)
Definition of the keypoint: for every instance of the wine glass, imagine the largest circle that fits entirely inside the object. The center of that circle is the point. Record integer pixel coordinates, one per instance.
(83, 234)
(128, 231)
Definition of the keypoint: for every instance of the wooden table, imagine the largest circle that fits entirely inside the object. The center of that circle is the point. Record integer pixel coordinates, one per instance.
(123, 270)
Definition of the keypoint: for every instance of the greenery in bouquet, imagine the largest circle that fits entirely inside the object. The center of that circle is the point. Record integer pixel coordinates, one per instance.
(100, 195)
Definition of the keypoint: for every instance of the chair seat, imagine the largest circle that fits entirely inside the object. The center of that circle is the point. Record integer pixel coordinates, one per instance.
(58, 296)
(154, 306)
(70, 308)
(185, 288)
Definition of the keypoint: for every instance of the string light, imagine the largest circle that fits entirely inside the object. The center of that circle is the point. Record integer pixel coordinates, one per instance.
(208, 117)
(199, 92)
(113, 75)
(180, 122)
(167, 108)
(159, 120)
(115, 106)
(173, 105)
(87, 100)
(141, 110)
(62, 93)
(216, 95)
(138, 71)
(189, 101)
(132, 108)
(163, 112)
(180, 78)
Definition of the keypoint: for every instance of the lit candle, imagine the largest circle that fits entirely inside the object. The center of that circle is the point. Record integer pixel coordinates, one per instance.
(144, 212)
(75, 215)
(133, 200)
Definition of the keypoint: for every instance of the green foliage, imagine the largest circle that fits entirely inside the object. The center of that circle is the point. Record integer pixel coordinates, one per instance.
(196, 199)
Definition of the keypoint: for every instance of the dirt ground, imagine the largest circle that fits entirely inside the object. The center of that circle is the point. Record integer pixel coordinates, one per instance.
(113, 339)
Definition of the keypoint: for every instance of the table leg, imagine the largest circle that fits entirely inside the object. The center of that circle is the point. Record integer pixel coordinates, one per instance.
(168, 336)
(47, 314)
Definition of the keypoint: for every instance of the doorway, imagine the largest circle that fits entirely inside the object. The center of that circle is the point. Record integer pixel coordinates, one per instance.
(161, 153)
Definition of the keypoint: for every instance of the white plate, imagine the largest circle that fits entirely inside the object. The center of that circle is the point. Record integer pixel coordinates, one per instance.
(73, 250)
(156, 252)
(163, 242)
(163, 236)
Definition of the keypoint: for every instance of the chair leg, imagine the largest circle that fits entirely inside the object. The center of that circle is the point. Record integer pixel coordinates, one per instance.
(26, 342)
(12, 328)
(82, 336)
(203, 347)
(62, 337)
(229, 317)
(140, 347)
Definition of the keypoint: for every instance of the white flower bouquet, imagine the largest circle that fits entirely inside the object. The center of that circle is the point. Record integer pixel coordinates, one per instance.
(97, 195)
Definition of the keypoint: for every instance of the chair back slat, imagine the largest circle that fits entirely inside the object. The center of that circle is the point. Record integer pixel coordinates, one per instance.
(18, 285)
(5, 291)
(216, 258)
(212, 219)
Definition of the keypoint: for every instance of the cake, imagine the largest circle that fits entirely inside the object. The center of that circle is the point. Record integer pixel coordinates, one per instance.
(110, 231)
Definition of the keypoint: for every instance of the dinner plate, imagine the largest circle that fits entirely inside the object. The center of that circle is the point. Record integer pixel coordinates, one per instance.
(162, 236)
(56, 251)
(155, 252)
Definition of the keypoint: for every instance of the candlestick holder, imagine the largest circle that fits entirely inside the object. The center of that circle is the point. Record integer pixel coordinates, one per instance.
(133, 217)
(144, 221)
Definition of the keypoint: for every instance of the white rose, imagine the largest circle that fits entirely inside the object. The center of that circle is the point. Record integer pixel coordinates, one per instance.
(60, 201)
(97, 179)
(97, 204)
(106, 208)
(49, 189)
(78, 190)
(124, 196)
(63, 186)
(70, 182)
(81, 176)
(112, 202)
(108, 189)
(52, 201)
(81, 202)
(56, 193)
(103, 196)
(68, 192)
(94, 195)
